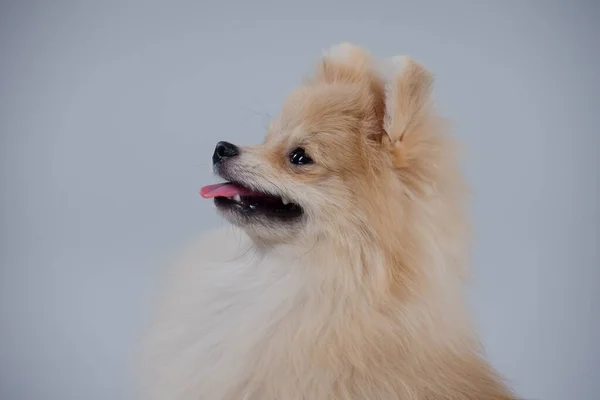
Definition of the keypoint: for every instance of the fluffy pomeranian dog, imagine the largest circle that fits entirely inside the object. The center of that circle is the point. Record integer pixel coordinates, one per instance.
(341, 275)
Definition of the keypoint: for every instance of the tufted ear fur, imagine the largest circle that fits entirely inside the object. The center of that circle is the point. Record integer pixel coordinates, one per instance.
(345, 63)
(407, 105)
(349, 64)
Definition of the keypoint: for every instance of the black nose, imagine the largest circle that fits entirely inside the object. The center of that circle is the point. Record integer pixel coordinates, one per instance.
(224, 150)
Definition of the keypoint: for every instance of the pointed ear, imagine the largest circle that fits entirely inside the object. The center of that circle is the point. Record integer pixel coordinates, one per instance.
(350, 64)
(345, 63)
(407, 104)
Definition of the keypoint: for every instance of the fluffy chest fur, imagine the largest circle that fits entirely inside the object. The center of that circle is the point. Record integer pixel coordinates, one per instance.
(221, 309)
(254, 325)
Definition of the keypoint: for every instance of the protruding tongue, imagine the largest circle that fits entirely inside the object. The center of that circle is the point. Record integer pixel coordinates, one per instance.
(225, 190)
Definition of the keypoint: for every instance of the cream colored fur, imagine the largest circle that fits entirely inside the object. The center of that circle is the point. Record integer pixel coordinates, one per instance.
(365, 299)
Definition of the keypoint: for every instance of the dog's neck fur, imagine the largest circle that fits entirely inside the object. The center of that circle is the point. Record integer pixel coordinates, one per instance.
(348, 316)
(334, 334)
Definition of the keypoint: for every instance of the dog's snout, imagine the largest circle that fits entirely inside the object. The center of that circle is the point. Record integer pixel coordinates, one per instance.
(224, 150)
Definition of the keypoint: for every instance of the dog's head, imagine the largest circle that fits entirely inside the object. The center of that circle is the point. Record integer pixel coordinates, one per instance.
(348, 152)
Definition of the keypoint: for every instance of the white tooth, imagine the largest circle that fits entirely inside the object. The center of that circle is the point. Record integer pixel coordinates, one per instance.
(285, 201)
(237, 198)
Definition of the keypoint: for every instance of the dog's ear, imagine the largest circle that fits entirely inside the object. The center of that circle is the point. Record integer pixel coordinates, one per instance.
(407, 107)
(350, 64)
(345, 63)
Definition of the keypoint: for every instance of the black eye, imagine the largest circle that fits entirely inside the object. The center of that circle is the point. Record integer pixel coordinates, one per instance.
(299, 157)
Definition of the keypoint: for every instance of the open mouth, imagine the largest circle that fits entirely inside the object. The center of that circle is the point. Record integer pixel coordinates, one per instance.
(236, 197)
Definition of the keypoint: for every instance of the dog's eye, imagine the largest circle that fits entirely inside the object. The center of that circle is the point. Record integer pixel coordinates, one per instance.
(299, 157)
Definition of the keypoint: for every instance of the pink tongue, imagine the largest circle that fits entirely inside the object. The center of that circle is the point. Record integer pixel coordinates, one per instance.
(225, 190)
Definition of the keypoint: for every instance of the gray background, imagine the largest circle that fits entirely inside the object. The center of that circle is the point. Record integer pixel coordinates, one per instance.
(109, 112)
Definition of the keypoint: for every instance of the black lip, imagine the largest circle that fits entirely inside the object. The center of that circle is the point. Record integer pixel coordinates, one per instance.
(269, 206)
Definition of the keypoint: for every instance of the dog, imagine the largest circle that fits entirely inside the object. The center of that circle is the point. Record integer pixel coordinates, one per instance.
(341, 274)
